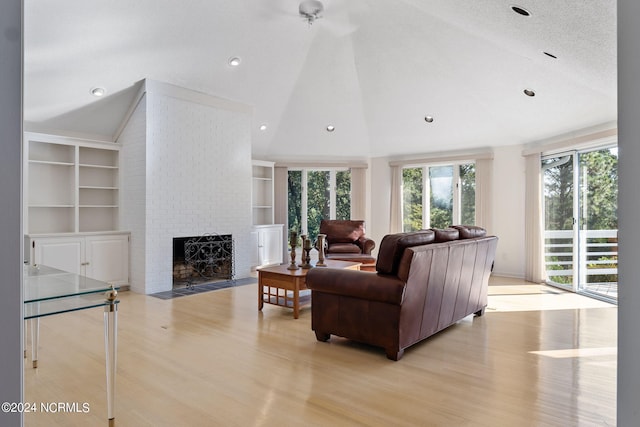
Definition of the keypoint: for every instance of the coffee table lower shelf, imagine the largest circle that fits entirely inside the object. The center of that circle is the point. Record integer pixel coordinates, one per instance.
(287, 300)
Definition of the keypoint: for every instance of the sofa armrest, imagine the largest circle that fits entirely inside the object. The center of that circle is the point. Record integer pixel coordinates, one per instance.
(366, 245)
(356, 284)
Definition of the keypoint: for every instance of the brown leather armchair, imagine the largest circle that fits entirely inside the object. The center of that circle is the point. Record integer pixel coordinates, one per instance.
(345, 237)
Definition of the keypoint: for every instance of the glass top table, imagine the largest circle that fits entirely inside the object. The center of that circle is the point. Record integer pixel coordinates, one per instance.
(48, 291)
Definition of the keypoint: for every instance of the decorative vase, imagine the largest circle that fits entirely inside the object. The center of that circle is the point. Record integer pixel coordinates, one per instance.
(293, 240)
(320, 247)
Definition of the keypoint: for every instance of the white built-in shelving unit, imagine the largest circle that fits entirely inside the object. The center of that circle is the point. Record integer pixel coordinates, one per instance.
(72, 185)
(262, 192)
(268, 238)
(71, 199)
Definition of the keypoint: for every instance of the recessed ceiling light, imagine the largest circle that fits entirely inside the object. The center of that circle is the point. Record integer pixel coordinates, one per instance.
(550, 55)
(529, 92)
(428, 119)
(331, 128)
(98, 91)
(521, 10)
(263, 126)
(234, 61)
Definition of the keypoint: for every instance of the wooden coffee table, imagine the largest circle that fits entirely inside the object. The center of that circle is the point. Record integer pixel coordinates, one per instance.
(279, 286)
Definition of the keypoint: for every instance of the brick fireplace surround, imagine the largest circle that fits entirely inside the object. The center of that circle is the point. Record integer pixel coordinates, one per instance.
(185, 170)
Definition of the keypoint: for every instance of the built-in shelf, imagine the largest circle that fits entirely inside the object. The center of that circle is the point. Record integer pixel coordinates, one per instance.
(72, 185)
(42, 162)
(262, 192)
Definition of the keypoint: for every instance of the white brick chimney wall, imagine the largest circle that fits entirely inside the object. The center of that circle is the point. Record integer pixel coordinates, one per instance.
(185, 171)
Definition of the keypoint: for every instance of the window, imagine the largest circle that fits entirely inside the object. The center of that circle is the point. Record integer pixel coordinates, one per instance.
(317, 194)
(438, 196)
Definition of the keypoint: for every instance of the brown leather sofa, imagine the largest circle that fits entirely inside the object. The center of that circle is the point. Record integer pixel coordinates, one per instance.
(425, 281)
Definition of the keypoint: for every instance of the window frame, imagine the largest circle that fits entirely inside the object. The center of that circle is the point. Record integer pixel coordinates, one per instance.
(333, 192)
(426, 191)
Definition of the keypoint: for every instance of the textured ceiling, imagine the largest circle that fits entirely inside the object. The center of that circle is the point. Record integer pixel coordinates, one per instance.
(372, 68)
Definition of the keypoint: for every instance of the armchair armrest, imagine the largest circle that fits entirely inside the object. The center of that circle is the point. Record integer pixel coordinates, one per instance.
(366, 245)
(357, 284)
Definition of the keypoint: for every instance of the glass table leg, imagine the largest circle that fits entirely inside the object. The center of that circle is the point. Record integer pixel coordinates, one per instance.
(35, 340)
(111, 346)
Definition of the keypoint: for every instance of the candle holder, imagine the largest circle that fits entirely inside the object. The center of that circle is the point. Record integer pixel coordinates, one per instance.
(293, 241)
(306, 248)
(320, 248)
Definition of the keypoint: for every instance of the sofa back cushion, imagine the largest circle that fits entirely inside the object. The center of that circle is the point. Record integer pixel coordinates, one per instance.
(342, 231)
(470, 231)
(446, 234)
(393, 245)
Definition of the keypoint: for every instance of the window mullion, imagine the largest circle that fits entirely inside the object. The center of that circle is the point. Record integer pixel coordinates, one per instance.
(303, 204)
(332, 194)
(456, 195)
(426, 198)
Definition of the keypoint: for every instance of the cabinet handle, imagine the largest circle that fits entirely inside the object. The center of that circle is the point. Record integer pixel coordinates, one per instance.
(84, 263)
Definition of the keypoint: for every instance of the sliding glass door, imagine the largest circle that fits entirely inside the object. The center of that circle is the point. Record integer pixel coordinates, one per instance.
(598, 204)
(559, 219)
(581, 225)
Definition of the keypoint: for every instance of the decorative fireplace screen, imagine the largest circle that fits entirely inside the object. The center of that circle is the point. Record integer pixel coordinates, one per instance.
(207, 258)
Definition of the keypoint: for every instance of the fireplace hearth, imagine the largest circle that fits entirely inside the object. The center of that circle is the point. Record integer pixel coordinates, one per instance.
(202, 259)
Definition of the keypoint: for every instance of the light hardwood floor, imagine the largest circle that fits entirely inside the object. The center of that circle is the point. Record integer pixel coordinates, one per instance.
(538, 357)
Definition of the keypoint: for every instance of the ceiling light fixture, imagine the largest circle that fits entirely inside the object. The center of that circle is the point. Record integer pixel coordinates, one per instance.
(234, 61)
(428, 119)
(529, 92)
(520, 10)
(263, 126)
(98, 91)
(331, 128)
(310, 10)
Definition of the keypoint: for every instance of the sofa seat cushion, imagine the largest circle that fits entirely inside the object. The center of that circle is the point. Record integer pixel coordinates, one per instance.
(362, 258)
(344, 248)
(393, 246)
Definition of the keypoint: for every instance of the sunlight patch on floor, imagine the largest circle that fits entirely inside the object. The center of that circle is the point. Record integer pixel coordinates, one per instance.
(507, 294)
(577, 352)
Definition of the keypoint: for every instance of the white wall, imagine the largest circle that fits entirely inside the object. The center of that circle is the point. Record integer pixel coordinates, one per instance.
(197, 180)
(133, 190)
(508, 210)
(380, 200)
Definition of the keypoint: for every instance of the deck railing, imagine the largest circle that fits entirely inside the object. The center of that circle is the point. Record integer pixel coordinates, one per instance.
(596, 261)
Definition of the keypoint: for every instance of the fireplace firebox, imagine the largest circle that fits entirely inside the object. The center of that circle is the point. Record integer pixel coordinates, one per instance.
(202, 259)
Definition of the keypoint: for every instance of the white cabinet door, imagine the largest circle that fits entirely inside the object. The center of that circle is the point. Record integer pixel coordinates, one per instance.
(272, 245)
(64, 253)
(107, 258)
(256, 250)
(267, 245)
(101, 257)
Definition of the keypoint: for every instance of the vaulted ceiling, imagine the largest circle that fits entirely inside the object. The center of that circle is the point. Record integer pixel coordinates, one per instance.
(372, 68)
